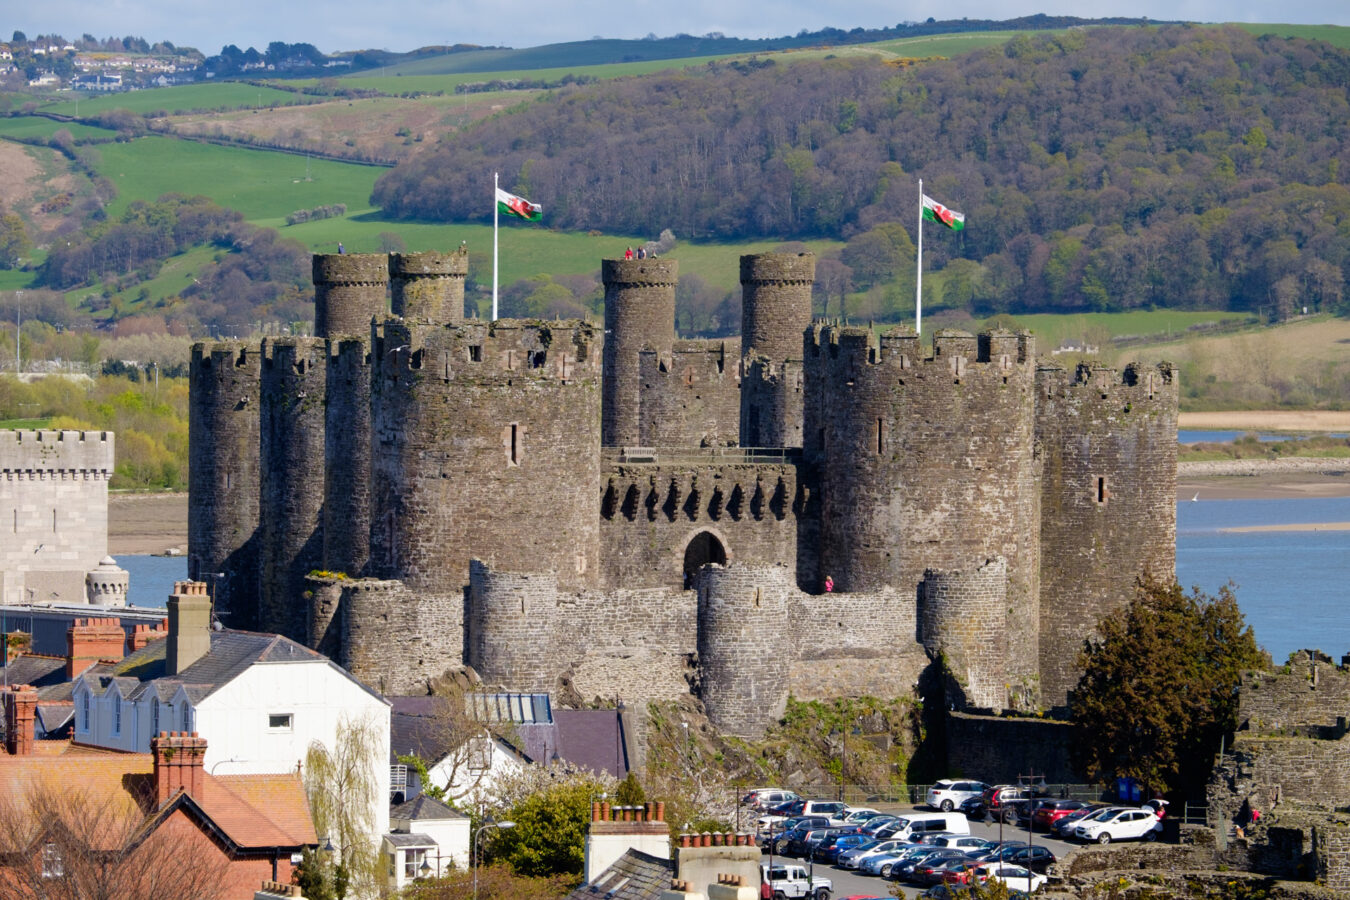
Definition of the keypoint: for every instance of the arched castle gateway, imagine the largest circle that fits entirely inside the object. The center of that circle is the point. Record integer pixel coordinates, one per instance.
(625, 512)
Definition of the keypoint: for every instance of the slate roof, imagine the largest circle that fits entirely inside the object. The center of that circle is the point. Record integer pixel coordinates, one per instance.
(634, 876)
(39, 671)
(414, 840)
(231, 654)
(423, 808)
(56, 718)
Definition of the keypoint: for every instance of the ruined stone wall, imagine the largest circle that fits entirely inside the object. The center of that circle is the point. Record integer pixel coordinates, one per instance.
(1314, 691)
(396, 640)
(54, 495)
(690, 397)
(639, 315)
(486, 445)
(1260, 769)
(1108, 508)
(998, 749)
(291, 431)
(223, 476)
(429, 286)
(847, 644)
(651, 514)
(963, 619)
(927, 462)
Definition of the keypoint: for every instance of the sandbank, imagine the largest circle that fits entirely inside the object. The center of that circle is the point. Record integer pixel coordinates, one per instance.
(1267, 420)
(1293, 526)
(147, 523)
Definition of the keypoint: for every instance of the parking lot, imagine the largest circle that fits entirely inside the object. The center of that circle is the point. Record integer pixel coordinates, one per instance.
(847, 883)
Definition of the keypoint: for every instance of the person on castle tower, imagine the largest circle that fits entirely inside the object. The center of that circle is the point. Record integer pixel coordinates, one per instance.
(628, 254)
(829, 584)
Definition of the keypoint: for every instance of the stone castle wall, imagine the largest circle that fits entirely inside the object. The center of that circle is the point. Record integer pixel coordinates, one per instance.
(690, 397)
(54, 492)
(1108, 500)
(429, 286)
(964, 617)
(1314, 691)
(775, 313)
(639, 315)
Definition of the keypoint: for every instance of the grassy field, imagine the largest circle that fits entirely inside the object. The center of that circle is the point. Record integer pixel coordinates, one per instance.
(1336, 35)
(1053, 330)
(949, 44)
(174, 276)
(182, 98)
(261, 184)
(21, 127)
(391, 83)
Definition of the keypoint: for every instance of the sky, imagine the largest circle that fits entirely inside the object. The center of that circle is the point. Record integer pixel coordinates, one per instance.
(402, 25)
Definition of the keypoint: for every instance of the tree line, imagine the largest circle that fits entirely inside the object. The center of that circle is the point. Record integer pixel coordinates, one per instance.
(1101, 169)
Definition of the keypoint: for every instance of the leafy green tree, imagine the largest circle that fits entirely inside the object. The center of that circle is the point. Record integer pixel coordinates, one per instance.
(1160, 686)
(14, 240)
(549, 836)
(342, 790)
(630, 792)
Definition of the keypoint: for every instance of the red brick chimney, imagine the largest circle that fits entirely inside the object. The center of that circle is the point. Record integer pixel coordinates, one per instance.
(141, 635)
(20, 714)
(179, 760)
(90, 640)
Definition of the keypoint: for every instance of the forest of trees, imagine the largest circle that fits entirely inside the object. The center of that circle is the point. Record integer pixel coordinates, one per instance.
(1101, 169)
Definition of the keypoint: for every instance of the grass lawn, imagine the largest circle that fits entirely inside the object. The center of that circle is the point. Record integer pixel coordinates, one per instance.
(174, 276)
(20, 127)
(182, 98)
(1336, 35)
(1052, 330)
(392, 83)
(15, 280)
(262, 184)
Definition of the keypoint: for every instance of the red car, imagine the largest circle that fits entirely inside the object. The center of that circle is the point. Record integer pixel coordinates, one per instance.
(969, 874)
(1051, 811)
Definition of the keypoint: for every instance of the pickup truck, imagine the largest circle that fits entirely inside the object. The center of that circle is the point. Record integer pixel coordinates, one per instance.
(789, 882)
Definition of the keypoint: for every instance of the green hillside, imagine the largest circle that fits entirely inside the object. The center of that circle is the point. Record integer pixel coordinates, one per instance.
(181, 99)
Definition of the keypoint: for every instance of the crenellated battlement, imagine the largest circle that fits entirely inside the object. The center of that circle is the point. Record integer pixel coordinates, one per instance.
(299, 354)
(664, 271)
(350, 268)
(779, 268)
(505, 349)
(901, 347)
(349, 291)
(1136, 381)
(429, 285)
(42, 454)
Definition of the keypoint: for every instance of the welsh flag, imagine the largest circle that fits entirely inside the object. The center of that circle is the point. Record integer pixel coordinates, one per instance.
(512, 205)
(934, 211)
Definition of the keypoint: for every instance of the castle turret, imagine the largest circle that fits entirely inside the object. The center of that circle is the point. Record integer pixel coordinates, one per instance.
(429, 286)
(346, 454)
(1109, 443)
(487, 444)
(349, 291)
(510, 625)
(742, 635)
(963, 619)
(292, 481)
(775, 314)
(927, 462)
(223, 475)
(639, 315)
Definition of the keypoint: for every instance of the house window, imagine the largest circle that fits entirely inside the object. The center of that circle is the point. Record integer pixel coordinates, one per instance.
(480, 754)
(117, 714)
(84, 711)
(279, 722)
(412, 861)
(187, 717)
(52, 864)
(154, 716)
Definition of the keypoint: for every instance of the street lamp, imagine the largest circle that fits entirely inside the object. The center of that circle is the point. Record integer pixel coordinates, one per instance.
(477, 835)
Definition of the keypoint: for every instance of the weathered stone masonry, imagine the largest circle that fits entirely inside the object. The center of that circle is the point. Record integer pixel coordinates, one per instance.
(629, 514)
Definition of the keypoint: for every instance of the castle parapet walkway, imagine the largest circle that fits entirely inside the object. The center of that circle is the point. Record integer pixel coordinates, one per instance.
(701, 455)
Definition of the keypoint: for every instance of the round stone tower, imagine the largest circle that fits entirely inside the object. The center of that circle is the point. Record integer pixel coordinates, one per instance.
(292, 480)
(223, 473)
(346, 452)
(486, 445)
(349, 291)
(429, 286)
(107, 584)
(928, 462)
(775, 314)
(963, 617)
(743, 638)
(510, 628)
(639, 315)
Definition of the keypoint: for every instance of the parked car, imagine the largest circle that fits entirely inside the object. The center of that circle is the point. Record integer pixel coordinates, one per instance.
(765, 799)
(1048, 812)
(1015, 877)
(998, 852)
(783, 841)
(915, 825)
(816, 838)
(828, 850)
(948, 793)
(929, 869)
(1119, 824)
(1035, 858)
(830, 808)
(1064, 827)
(793, 881)
(877, 823)
(966, 843)
(974, 809)
(884, 863)
(860, 816)
(852, 859)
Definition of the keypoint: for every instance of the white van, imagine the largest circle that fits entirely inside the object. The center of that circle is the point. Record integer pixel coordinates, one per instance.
(913, 826)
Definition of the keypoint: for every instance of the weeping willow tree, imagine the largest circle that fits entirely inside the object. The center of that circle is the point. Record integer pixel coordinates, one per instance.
(343, 790)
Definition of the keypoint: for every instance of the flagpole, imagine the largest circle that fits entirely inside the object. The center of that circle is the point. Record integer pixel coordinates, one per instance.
(918, 283)
(494, 245)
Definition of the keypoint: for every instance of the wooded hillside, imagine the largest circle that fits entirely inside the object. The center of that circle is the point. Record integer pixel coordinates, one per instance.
(1101, 169)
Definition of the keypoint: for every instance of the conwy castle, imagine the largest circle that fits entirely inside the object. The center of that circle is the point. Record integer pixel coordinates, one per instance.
(628, 515)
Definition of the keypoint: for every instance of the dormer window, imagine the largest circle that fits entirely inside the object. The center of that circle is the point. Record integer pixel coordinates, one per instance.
(117, 714)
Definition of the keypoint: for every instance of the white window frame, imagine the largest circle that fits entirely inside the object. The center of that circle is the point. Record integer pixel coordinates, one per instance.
(286, 726)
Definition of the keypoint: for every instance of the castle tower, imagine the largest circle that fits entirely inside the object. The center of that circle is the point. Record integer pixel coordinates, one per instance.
(509, 623)
(292, 481)
(486, 445)
(775, 314)
(927, 462)
(429, 286)
(349, 291)
(1109, 442)
(963, 617)
(639, 315)
(223, 474)
(743, 630)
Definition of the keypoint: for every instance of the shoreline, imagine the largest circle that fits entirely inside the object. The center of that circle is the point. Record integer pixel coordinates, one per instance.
(1264, 479)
